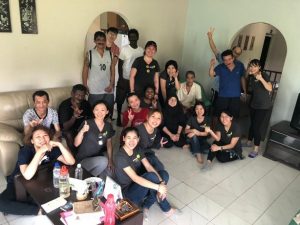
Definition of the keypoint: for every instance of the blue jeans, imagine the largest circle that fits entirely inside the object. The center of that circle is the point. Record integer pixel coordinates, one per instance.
(154, 161)
(198, 145)
(139, 194)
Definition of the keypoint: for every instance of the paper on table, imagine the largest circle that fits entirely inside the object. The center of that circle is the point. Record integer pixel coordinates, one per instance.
(54, 204)
(78, 185)
(71, 218)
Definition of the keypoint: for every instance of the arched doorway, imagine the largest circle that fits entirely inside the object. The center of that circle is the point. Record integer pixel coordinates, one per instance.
(103, 22)
(265, 42)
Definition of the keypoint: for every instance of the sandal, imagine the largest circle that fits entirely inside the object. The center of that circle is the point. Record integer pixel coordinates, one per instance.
(253, 154)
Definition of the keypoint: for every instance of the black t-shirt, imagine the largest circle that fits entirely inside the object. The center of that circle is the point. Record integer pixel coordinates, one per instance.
(94, 140)
(25, 156)
(146, 140)
(194, 124)
(170, 83)
(65, 113)
(123, 160)
(226, 136)
(145, 73)
(261, 98)
(173, 118)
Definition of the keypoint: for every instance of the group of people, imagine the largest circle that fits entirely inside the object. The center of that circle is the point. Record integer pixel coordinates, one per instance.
(161, 113)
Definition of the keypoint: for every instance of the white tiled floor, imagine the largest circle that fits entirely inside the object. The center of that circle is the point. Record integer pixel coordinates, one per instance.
(252, 191)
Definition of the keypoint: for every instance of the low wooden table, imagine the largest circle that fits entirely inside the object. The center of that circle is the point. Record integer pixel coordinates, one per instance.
(41, 189)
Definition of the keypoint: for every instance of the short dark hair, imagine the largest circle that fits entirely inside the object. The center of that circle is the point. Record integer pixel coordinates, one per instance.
(98, 102)
(190, 72)
(227, 112)
(199, 103)
(152, 111)
(130, 95)
(113, 30)
(79, 87)
(227, 53)
(99, 34)
(28, 136)
(149, 86)
(173, 63)
(151, 43)
(255, 62)
(40, 93)
(126, 130)
(133, 31)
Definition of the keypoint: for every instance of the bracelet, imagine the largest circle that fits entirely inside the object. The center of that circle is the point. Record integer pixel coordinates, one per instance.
(222, 148)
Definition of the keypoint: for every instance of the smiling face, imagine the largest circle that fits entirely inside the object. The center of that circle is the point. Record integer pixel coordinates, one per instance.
(40, 138)
(41, 103)
(154, 120)
(225, 119)
(149, 93)
(100, 111)
(78, 96)
(111, 37)
(150, 51)
(100, 42)
(171, 70)
(131, 140)
(172, 102)
(199, 110)
(134, 102)
(254, 69)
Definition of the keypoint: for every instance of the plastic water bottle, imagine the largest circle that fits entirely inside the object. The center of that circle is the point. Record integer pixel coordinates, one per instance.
(56, 173)
(78, 172)
(64, 186)
(109, 210)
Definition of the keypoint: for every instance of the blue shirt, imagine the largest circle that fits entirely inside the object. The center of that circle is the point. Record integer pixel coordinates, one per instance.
(230, 81)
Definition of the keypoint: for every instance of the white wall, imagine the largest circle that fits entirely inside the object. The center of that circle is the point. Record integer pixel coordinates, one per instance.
(54, 56)
(228, 17)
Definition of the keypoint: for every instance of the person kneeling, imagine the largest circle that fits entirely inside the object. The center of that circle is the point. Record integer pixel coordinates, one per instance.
(144, 189)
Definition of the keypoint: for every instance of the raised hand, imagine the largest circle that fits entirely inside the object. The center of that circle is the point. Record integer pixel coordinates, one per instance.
(213, 62)
(34, 123)
(210, 32)
(85, 127)
(130, 115)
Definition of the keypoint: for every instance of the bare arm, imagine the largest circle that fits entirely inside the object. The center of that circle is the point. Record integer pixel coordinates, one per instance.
(215, 135)
(163, 88)
(211, 41)
(85, 69)
(212, 72)
(110, 153)
(156, 82)
(233, 142)
(79, 137)
(267, 85)
(66, 157)
(133, 72)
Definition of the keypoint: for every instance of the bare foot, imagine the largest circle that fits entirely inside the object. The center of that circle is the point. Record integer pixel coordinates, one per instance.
(170, 212)
(146, 214)
(185, 147)
(199, 158)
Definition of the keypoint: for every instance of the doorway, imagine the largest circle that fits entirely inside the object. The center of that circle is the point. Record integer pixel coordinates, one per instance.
(264, 42)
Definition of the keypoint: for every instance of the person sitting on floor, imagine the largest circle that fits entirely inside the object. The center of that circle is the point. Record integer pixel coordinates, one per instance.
(94, 137)
(149, 101)
(189, 91)
(174, 122)
(195, 131)
(72, 112)
(41, 114)
(135, 115)
(39, 149)
(141, 188)
(150, 138)
(227, 145)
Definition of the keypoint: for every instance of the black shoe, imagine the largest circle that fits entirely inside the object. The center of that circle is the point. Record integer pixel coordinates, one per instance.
(119, 123)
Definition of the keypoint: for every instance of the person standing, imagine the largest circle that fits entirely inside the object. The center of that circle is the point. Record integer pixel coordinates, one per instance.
(127, 56)
(231, 76)
(98, 73)
(260, 103)
(145, 71)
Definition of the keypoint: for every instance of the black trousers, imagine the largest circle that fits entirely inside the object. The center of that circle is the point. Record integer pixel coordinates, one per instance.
(9, 204)
(122, 91)
(181, 142)
(222, 156)
(257, 116)
(230, 104)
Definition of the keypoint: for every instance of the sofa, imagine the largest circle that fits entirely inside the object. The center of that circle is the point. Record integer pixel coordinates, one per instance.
(12, 107)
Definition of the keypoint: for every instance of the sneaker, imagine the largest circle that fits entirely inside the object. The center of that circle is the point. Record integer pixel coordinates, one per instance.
(253, 154)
